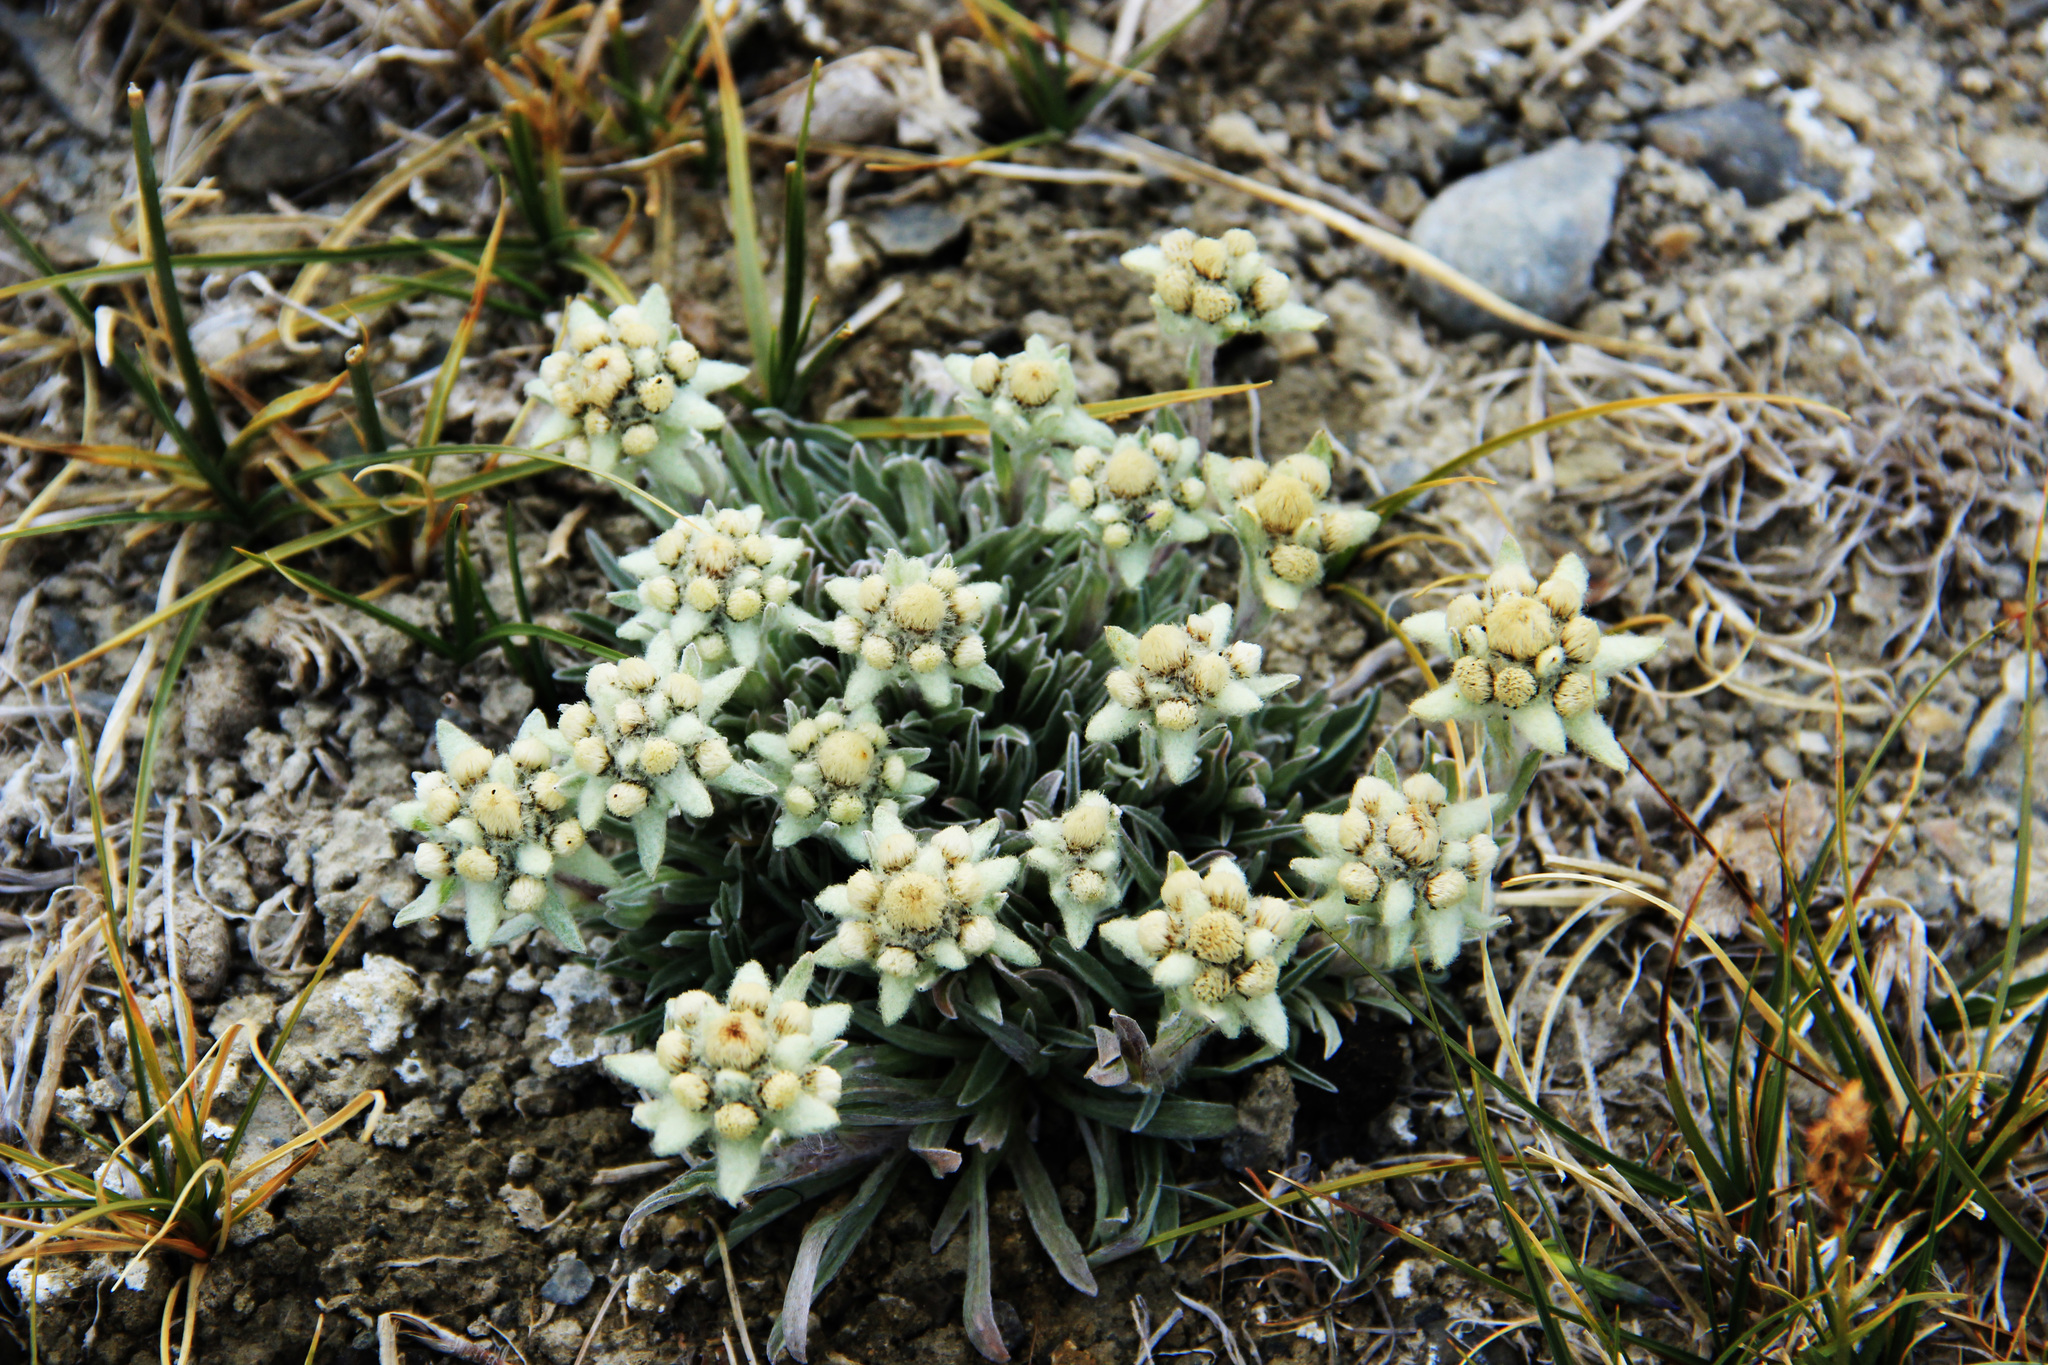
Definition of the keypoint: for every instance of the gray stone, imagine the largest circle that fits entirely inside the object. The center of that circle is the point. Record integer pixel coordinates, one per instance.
(912, 232)
(282, 147)
(2014, 166)
(568, 1284)
(1741, 145)
(1531, 230)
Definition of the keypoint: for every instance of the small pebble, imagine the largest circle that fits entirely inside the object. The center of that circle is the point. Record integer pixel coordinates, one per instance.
(568, 1284)
(1740, 144)
(2014, 166)
(520, 1167)
(1781, 763)
(912, 232)
(1531, 230)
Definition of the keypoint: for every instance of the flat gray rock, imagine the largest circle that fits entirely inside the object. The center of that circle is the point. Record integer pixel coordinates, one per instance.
(912, 232)
(1741, 145)
(568, 1284)
(1530, 229)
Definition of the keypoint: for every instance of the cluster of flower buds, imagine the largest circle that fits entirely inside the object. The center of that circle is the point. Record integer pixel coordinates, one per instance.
(922, 908)
(912, 621)
(1284, 520)
(642, 747)
(498, 827)
(1176, 682)
(1216, 949)
(1215, 288)
(1526, 658)
(1082, 862)
(748, 1070)
(1401, 869)
(1146, 492)
(1028, 400)
(629, 386)
(713, 580)
(831, 770)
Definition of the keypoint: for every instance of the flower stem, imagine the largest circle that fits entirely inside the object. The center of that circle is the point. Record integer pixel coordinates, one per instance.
(1202, 375)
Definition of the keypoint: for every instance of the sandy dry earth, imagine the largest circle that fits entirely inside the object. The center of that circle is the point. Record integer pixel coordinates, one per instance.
(1887, 260)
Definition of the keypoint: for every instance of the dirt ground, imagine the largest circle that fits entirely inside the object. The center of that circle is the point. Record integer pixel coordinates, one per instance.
(1782, 553)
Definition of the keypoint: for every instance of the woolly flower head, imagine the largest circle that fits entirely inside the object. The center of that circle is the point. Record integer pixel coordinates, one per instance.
(1144, 493)
(629, 387)
(747, 1070)
(912, 621)
(713, 580)
(642, 747)
(1082, 862)
(1177, 681)
(498, 827)
(1284, 520)
(831, 770)
(921, 908)
(1216, 949)
(1215, 288)
(1401, 866)
(1028, 400)
(1525, 657)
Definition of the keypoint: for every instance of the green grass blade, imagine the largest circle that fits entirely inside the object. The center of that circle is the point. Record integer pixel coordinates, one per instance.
(205, 422)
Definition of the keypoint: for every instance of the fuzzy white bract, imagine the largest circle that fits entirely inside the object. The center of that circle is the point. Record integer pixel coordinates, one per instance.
(715, 580)
(831, 770)
(629, 390)
(643, 748)
(1403, 868)
(1145, 492)
(1082, 862)
(1215, 949)
(1216, 288)
(1028, 399)
(1526, 659)
(1176, 682)
(922, 907)
(748, 1071)
(498, 828)
(913, 622)
(1285, 521)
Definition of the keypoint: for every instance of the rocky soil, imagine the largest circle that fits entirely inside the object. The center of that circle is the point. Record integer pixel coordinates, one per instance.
(1844, 202)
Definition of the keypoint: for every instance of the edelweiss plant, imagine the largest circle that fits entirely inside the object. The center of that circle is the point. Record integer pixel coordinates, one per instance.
(714, 580)
(1145, 493)
(1403, 864)
(644, 749)
(1082, 864)
(1284, 521)
(498, 828)
(1214, 288)
(879, 829)
(630, 388)
(1028, 399)
(748, 1070)
(1216, 948)
(912, 622)
(1176, 682)
(831, 770)
(921, 908)
(1527, 660)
